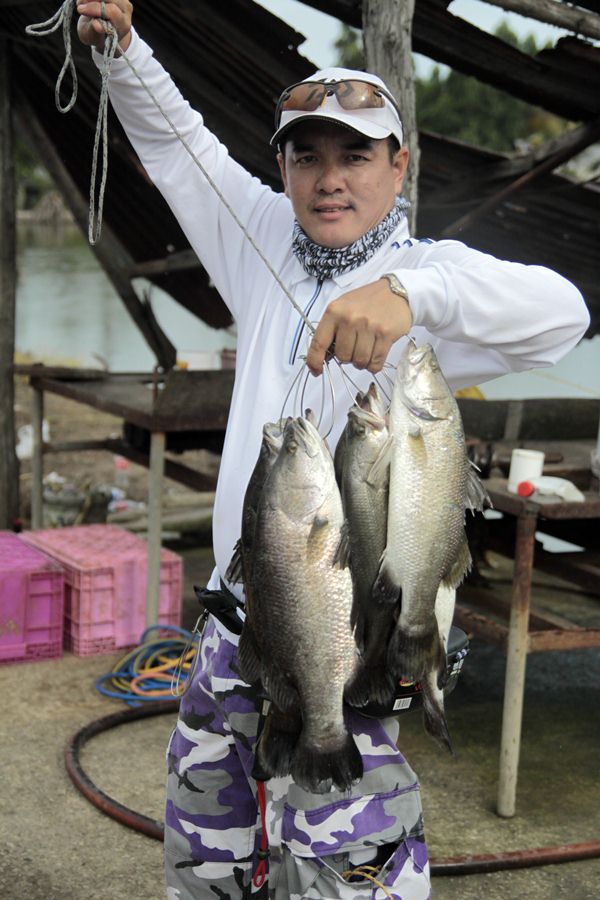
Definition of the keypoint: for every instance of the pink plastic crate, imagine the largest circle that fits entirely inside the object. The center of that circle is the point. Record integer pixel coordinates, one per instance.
(105, 569)
(31, 602)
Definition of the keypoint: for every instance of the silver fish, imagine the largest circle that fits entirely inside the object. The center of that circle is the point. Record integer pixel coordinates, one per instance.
(301, 615)
(431, 484)
(362, 442)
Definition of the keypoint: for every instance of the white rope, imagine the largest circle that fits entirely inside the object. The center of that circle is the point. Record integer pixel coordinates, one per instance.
(63, 17)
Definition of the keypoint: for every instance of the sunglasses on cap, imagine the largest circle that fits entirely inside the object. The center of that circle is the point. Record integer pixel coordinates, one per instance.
(351, 93)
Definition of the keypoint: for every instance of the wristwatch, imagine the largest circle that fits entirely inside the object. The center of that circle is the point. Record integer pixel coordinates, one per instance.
(396, 286)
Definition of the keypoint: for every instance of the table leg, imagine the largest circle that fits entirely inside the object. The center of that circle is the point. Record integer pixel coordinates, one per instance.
(37, 464)
(157, 464)
(516, 659)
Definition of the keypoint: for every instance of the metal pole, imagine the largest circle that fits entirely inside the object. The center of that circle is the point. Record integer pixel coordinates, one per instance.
(157, 464)
(37, 458)
(516, 660)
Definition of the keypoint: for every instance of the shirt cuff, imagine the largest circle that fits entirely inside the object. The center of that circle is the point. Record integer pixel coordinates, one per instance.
(136, 51)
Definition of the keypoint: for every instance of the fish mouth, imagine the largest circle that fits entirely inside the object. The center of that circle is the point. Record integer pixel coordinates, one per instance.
(367, 417)
(305, 434)
(415, 355)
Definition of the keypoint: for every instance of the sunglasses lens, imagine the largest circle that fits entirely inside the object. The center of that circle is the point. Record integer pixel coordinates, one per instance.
(305, 97)
(358, 95)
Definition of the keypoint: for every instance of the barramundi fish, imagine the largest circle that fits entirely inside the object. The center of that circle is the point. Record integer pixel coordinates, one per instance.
(362, 442)
(432, 482)
(304, 651)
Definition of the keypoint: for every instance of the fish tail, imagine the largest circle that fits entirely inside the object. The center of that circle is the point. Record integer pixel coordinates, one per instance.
(278, 743)
(316, 769)
(434, 717)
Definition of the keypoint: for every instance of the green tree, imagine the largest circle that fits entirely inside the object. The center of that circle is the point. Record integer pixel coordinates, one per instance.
(349, 46)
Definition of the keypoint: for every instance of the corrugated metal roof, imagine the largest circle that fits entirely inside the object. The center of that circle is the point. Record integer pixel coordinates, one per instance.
(231, 61)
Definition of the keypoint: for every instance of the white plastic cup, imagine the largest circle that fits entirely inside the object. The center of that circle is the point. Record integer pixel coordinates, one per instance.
(524, 465)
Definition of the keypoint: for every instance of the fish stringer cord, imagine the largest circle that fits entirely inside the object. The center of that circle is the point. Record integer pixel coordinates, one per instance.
(63, 16)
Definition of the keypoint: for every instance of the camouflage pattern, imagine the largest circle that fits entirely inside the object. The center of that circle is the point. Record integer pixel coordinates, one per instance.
(212, 822)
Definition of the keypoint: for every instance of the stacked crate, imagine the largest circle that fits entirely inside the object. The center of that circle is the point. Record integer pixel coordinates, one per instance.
(105, 574)
(31, 602)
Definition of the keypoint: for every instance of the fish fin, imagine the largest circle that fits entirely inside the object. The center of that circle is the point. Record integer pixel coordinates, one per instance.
(341, 557)
(434, 717)
(317, 770)
(249, 655)
(372, 682)
(416, 656)
(379, 473)
(385, 589)
(280, 689)
(278, 741)
(460, 567)
(477, 498)
(235, 568)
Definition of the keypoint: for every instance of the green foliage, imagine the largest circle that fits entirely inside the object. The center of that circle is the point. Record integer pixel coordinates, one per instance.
(461, 107)
(350, 53)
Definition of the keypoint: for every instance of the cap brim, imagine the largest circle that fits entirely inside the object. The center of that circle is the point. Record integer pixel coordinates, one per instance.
(351, 120)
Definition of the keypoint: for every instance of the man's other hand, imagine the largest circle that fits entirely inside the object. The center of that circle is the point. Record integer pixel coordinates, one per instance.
(360, 327)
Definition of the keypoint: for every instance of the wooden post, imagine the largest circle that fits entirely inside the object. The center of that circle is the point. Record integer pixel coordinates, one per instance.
(9, 467)
(387, 36)
(37, 456)
(516, 661)
(157, 465)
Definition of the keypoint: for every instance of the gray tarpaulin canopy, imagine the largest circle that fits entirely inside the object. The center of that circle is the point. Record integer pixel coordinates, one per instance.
(232, 60)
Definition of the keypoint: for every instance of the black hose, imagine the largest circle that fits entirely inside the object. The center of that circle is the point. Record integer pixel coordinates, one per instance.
(129, 817)
(452, 865)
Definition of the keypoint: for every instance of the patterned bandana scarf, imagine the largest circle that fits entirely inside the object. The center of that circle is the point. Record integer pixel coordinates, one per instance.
(326, 262)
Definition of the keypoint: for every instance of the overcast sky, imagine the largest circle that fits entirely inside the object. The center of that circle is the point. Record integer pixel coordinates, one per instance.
(321, 30)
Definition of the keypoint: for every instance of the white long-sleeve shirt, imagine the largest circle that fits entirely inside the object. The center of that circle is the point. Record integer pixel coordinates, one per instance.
(484, 317)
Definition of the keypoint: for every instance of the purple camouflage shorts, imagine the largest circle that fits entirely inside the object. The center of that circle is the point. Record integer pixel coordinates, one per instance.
(212, 822)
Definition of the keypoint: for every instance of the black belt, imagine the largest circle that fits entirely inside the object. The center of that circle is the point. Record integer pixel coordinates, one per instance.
(223, 605)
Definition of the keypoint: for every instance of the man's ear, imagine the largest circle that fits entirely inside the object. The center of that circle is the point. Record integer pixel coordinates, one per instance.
(281, 163)
(400, 164)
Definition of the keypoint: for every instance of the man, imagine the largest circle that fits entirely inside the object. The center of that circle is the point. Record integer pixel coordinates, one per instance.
(339, 241)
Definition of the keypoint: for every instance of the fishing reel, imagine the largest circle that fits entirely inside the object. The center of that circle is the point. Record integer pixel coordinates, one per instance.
(409, 694)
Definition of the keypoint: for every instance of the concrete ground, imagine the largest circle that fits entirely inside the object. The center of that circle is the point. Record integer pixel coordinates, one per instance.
(54, 845)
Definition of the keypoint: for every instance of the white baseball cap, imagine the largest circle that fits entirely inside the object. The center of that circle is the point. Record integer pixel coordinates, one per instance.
(376, 122)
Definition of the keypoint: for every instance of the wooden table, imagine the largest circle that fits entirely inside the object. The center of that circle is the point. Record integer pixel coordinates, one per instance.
(550, 633)
(184, 406)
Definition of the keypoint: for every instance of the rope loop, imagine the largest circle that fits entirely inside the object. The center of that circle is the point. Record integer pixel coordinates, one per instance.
(62, 17)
